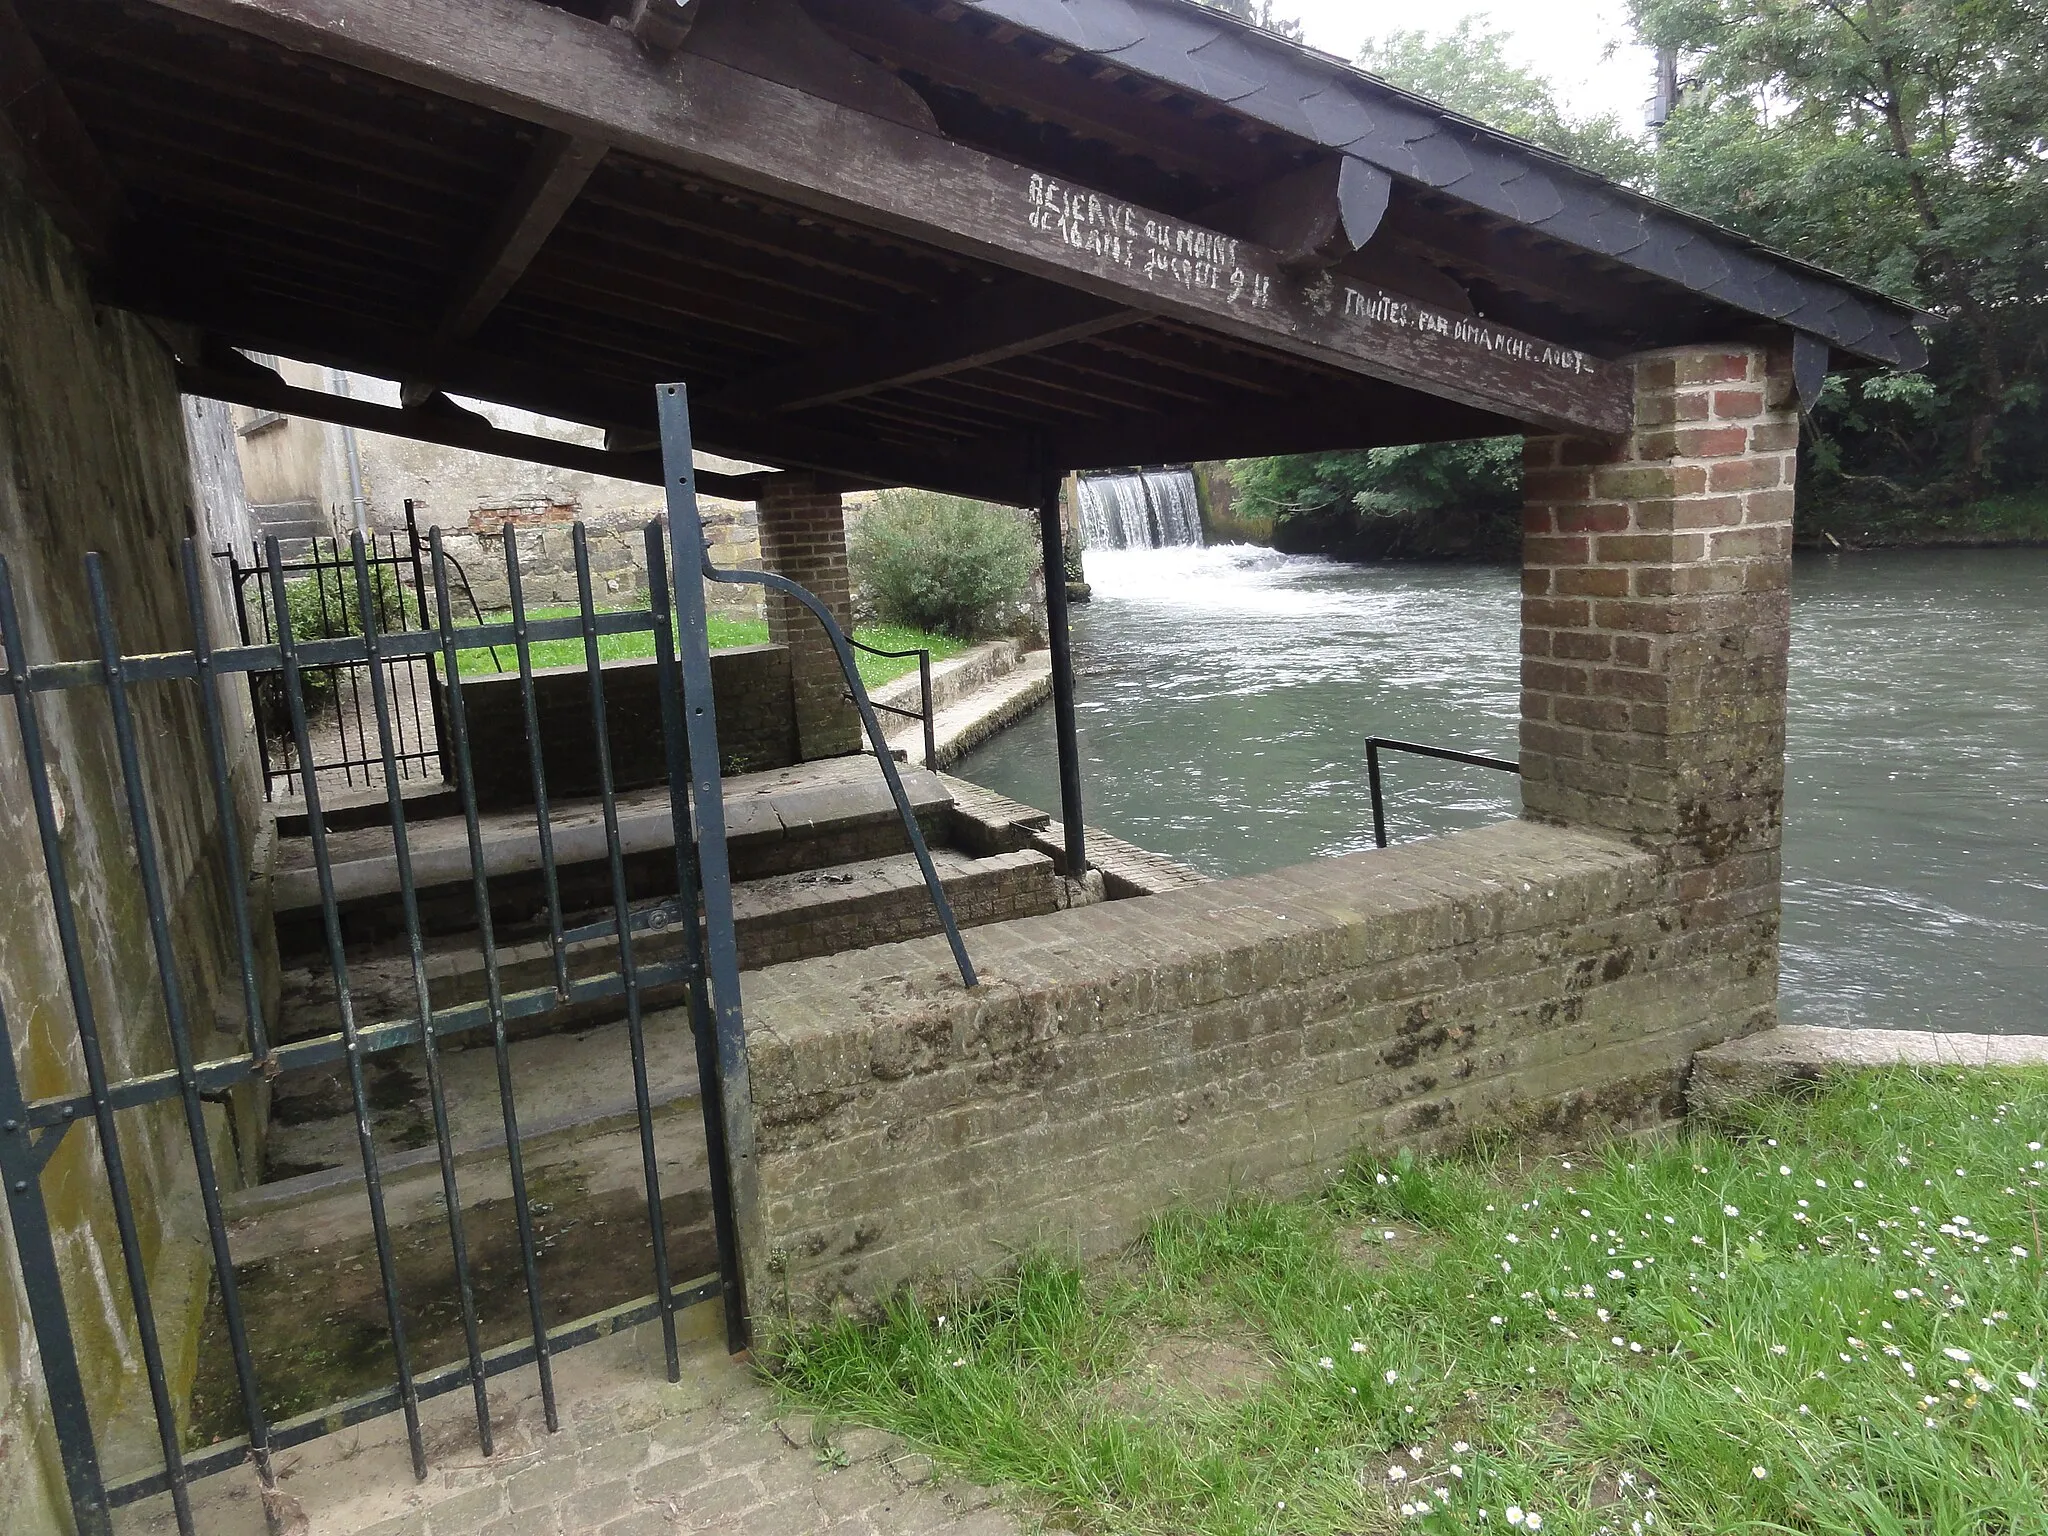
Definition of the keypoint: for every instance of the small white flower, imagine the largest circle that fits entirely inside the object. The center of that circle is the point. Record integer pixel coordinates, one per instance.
(1357, 1347)
(1784, 1172)
(1778, 1349)
(1532, 1521)
(1497, 1320)
(2026, 1379)
(1461, 1447)
(1962, 1355)
(1759, 1473)
(1397, 1473)
(1731, 1210)
(2023, 1405)
(1615, 1274)
(1326, 1364)
(1514, 1514)
(1392, 1377)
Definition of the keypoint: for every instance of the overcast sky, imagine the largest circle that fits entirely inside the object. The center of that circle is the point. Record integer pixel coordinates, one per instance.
(1568, 40)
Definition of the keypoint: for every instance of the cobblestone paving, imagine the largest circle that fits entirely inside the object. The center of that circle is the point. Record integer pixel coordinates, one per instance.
(635, 1456)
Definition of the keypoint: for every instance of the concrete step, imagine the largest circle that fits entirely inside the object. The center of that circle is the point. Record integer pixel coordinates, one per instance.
(776, 919)
(813, 816)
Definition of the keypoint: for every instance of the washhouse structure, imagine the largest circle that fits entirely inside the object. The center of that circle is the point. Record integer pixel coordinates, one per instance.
(967, 245)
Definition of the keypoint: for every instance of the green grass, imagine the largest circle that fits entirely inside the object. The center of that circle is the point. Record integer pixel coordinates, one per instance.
(725, 633)
(1829, 1317)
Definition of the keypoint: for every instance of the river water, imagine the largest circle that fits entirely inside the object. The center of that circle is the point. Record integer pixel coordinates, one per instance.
(1225, 695)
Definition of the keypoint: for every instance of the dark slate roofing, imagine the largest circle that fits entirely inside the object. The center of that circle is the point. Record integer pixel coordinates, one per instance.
(1324, 101)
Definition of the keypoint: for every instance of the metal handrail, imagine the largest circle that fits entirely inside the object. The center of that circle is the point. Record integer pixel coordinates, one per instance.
(1374, 745)
(924, 681)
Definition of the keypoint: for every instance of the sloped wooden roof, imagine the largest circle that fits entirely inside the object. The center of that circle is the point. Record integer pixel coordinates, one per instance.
(959, 243)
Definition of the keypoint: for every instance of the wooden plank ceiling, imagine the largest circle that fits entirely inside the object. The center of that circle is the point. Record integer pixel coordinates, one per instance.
(277, 201)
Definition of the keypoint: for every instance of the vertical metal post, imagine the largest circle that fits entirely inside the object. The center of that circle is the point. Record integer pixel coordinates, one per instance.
(707, 787)
(629, 972)
(480, 886)
(544, 826)
(1060, 640)
(352, 1052)
(1379, 804)
(158, 907)
(430, 1045)
(35, 1250)
(931, 727)
(703, 1023)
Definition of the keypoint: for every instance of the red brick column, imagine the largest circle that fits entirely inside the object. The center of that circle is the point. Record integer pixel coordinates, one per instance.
(803, 537)
(1656, 617)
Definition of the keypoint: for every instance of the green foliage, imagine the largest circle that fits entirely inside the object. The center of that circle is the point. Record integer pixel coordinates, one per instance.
(1826, 1316)
(1472, 69)
(327, 606)
(1428, 499)
(1902, 144)
(941, 563)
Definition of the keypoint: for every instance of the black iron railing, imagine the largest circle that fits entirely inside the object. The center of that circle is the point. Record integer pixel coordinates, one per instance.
(32, 1129)
(924, 680)
(1375, 745)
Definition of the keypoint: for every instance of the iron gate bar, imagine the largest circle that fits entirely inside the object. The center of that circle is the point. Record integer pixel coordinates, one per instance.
(1374, 745)
(223, 796)
(688, 900)
(30, 1134)
(374, 1039)
(35, 1250)
(437, 1094)
(622, 909)
(94, 1517)
(523, 646)
(316, 826)
(150, 869)
(721, 969)
(435, 1382)
(457, 713)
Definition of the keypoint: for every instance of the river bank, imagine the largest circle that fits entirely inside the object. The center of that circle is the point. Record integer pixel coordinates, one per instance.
(1225, 694)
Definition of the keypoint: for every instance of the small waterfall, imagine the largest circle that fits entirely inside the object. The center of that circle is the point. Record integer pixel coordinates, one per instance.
(1141, 509)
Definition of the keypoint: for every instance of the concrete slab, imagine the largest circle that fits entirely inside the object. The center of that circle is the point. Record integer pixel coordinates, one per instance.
(1767, 1063)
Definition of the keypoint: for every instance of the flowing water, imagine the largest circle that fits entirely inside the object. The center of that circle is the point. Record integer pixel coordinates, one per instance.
(1225, 695)
(1142, 509)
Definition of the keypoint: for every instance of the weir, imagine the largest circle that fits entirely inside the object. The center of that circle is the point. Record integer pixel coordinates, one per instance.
(1141, 509)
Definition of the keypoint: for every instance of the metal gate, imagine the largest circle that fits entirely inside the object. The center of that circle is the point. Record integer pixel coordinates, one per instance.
(699, 907)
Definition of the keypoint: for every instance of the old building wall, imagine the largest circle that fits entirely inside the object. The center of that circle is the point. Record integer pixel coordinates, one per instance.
(297, 467)
(94, 455)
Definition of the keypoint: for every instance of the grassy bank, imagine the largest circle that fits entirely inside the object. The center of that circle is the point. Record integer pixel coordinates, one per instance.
(1829, 1318)
(725, 633)
(2017, 518)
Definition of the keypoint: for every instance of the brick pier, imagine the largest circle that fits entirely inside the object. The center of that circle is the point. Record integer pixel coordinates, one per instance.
(803, 537)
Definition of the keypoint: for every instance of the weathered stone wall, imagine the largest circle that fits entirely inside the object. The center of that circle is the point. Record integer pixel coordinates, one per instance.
(750, 686)
(94, 456)
(803, 537)
(883, 901)
(1243, 1033)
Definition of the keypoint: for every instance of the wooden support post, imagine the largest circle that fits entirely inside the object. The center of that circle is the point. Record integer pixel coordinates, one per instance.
(1061, 643)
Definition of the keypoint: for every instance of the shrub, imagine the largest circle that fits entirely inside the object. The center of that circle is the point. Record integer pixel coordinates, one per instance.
(941, 563)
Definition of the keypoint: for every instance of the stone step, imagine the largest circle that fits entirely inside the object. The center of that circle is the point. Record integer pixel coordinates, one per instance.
(776, 919)
(813, 816)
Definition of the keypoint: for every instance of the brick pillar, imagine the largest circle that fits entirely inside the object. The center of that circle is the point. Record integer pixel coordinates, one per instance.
(1656, 618)
(803, 537)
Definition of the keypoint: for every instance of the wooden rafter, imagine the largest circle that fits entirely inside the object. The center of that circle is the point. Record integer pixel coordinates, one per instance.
(549, 67)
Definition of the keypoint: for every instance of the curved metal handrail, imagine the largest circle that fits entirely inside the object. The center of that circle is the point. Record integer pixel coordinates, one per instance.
(843, 647)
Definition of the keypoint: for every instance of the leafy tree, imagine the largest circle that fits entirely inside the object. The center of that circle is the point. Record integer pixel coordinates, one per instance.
(1471, 69)
(1259, 13)
(1426, 499)
(941, 563)
(1903, 142)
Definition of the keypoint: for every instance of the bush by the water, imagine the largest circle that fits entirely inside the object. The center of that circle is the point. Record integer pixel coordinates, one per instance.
(940, 563)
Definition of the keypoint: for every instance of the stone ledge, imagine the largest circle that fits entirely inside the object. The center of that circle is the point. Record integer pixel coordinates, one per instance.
(1743, 1070)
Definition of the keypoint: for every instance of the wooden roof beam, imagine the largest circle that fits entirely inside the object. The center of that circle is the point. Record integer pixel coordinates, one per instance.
(238, 381)
(553, 178)
(550, 67)
(45, 144)
(991, 326)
